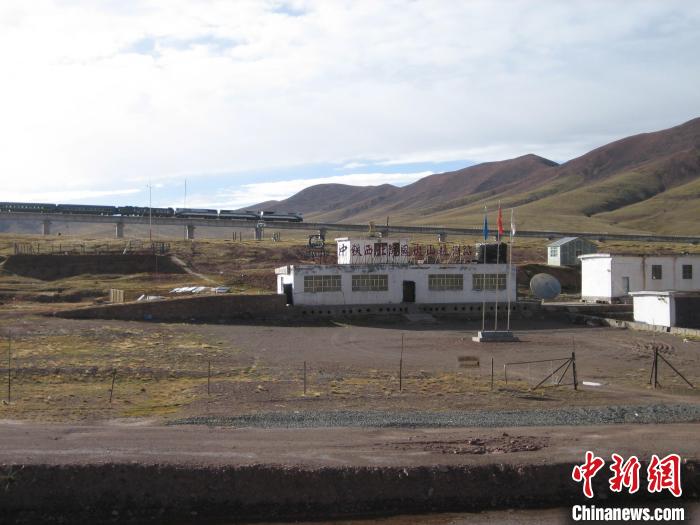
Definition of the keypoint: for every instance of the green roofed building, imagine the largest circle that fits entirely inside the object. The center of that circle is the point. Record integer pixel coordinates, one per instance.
(565, 251)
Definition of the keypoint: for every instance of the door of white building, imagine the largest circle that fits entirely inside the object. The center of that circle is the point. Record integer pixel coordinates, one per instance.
(625, 285)
(409, 292)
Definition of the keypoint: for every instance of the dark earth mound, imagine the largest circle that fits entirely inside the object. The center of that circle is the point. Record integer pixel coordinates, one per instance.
(52, 267)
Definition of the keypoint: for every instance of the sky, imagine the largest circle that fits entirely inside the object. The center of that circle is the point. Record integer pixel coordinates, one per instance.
(247, 101)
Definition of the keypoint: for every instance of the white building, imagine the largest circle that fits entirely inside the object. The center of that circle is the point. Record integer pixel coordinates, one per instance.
(667, 308)
(566, 251)
(610, 278)
(377, 271)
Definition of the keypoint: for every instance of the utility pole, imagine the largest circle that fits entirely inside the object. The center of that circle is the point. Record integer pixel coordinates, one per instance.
(401, 367)
(150, 215)
(184, 205)
(9, 366)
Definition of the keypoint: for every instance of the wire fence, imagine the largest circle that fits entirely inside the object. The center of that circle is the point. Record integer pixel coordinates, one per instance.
(545, 372)
(104, 384)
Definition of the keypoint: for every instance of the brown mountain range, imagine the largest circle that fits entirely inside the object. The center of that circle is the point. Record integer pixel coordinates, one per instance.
(643, 183)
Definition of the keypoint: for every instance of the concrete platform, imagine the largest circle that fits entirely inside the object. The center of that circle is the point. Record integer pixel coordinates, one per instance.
(495, 336)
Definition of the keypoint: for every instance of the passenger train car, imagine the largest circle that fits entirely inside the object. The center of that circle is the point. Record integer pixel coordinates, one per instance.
(196, 213)
(144, 211)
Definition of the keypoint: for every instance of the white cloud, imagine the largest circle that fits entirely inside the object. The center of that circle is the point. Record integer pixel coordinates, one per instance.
(100, 93)
(254, 193)
(64, 197)
(352, 165)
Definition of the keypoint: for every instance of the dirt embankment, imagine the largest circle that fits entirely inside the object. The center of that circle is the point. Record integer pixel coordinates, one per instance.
(105, 493)
(245, 264)
(53, 267)
(210, 308)
(570, 278)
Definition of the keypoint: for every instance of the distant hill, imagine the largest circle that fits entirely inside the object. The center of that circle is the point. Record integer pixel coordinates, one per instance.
(644, 183)
(340, 199)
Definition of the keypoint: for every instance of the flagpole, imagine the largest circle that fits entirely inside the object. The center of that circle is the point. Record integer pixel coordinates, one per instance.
(483, 275)
(498, 258)
(510, 265)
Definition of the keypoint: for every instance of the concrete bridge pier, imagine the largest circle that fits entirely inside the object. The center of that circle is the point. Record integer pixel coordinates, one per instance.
(119, 230)
(259, 231)
(189, 232)
(46, 227)
(442, 237)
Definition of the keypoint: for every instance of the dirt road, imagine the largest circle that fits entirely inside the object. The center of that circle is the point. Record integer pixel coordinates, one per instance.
(135, 470)
(140, 440)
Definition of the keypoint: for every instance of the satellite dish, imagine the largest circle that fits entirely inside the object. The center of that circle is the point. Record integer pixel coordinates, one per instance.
(545, 286)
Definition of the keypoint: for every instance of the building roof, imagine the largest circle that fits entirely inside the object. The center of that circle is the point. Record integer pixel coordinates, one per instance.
(666, 293)
(638, 255)
(561, 241)
(366, 237)
(385, 267)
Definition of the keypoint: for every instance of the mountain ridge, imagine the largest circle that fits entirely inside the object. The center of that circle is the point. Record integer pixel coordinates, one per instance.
(590, 191)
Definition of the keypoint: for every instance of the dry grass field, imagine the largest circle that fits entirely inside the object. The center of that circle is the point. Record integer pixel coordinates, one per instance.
(63, 369)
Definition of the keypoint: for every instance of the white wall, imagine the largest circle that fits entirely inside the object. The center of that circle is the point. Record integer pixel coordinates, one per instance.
(602, 277)
(654, 309)
(596, 278)
(687, 285)
(554, 260)
(362, 251)
(397, 274)
(632, 267)
(282, 280)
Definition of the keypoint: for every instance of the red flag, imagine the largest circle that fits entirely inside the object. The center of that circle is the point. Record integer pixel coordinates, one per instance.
(500, 222)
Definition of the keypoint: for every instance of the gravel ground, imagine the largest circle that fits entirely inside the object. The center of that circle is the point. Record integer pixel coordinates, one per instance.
(666, 413)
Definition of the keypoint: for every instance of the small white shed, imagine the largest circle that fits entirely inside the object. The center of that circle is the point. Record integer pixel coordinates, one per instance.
(667, 308)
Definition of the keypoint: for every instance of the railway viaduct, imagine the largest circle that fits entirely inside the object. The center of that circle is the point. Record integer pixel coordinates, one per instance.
(319, 228)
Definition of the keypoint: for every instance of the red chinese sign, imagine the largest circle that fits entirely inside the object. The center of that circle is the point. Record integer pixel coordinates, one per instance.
(662, 473)
(392, 251)
(587, 472)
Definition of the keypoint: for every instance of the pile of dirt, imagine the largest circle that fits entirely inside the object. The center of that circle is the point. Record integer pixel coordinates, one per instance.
(231, 258)
(503, 444)
(53, 267)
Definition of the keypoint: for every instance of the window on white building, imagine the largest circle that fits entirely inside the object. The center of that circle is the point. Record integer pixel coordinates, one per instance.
(554, 252)
(370, 282)
(445, 281)
(687, 271)
(489, 281)
(322, 283)
(656, 272)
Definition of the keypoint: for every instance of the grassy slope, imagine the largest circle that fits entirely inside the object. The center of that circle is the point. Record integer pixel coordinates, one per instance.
(643, 183)
(632, 201)
(675, 211)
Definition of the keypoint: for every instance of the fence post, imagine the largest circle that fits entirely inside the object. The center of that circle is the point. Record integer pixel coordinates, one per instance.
(573, 369)
(505, 372)
(9, 367)
(111, 390)
(656, 367)
(492, 373)
(401, 367)
(209, 378)
(304, 377)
